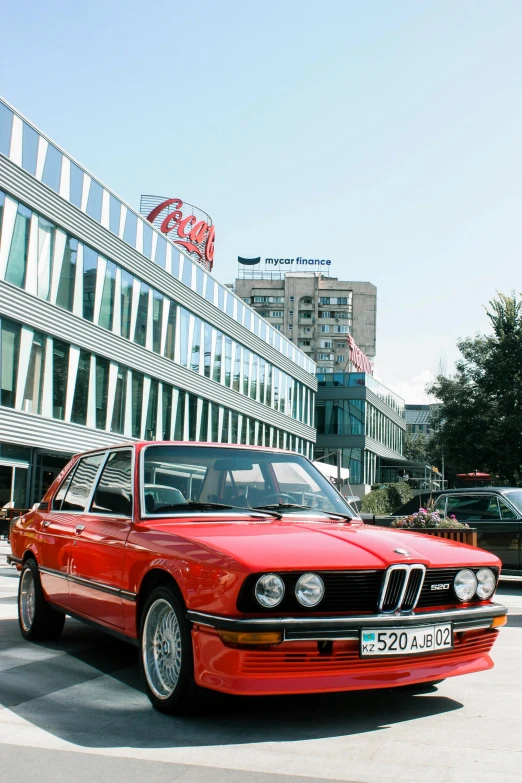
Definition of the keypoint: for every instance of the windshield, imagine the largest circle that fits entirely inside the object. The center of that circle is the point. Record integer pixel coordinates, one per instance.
(515, 497)
(175, 475)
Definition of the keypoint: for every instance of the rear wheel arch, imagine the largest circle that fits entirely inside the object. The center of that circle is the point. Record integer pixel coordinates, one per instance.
(29, 555)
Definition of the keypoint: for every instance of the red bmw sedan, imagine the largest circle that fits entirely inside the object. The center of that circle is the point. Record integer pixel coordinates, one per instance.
(243, 570)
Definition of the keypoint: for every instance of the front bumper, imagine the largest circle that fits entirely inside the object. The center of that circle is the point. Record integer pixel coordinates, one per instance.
(337, 628)
(300, 665)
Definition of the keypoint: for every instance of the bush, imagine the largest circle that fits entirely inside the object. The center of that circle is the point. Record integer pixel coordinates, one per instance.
(399, 494)
(385, 498)
(376, 502)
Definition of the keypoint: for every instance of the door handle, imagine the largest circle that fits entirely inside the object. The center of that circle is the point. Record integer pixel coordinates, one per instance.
(79, 528)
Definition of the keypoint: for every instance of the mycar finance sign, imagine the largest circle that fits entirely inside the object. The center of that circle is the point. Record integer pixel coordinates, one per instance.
(299, 261)
(184, 224)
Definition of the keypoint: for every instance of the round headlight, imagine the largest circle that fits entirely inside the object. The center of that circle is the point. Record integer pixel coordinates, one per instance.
(270, 590)
(309, 589)
(486, 583)
(465, 584)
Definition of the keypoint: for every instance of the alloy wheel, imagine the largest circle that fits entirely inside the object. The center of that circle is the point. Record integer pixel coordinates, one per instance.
(27, 599)
(161, 649)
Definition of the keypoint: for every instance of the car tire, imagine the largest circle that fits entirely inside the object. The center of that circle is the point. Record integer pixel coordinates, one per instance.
(38, 620)
(166, 654)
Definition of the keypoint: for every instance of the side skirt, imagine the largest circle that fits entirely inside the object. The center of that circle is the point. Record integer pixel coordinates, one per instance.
(97, 626)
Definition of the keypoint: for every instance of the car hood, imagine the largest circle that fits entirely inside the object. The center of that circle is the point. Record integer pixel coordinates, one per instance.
(294, 543)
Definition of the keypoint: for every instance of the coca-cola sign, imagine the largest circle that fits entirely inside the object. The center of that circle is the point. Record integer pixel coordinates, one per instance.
(359, 360)
(184, 224)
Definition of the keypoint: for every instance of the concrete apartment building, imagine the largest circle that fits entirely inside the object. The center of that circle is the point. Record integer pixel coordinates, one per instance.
(315, 311)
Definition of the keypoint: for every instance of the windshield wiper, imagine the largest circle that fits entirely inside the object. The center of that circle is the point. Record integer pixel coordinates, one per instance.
(284, 506)
(194, 505)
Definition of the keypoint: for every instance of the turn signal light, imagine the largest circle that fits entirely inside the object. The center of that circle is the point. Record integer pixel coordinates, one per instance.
(498, 622)
(242, 637)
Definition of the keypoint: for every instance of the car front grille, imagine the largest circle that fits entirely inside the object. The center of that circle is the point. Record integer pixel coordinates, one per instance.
(363, 592)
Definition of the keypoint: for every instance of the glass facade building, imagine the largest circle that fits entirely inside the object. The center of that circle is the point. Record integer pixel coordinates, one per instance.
(365, 420)
(109, 332)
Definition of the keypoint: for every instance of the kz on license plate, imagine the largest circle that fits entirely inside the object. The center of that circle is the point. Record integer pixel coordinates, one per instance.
(406, 641)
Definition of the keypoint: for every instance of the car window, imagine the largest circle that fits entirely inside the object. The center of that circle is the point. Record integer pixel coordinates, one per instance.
(64, 486)
(477, 507)
(82, 482)
(506, 511)
(114, 491)
(440, 505)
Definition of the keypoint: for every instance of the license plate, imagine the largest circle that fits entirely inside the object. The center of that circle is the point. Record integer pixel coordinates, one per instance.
(406, 641)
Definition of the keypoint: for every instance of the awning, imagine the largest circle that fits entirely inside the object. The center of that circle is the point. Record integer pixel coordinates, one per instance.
(474, 476)
(330, 471)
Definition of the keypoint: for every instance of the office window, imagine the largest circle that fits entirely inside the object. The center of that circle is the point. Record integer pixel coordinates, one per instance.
(17, 260)
(147, 240)
(46, 234)
(207, 349)
(131, 225)
(137, 402)
(216, 374)
(65, 295)
(140, 331)
(34, 382)
(6, 124)
(127, 281)
(325, 328)
(228, 361)
(114, 215)
(325, 314)
(341, 330)
(81, 389)
(166, 404)
(94, 202)
(76, 185)
(90, 266)
(60, 370)
(120, 394)
(170, 342)
(276, 313)
(157, 313)
(52, 168)
(9, 344)
(340, 358)
(107, 302)
(152, 411)
(160, 257)
(195, 359)
(102, 392)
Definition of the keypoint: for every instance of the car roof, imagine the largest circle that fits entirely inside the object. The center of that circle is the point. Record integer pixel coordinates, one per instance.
(475, 490)
(207, 444)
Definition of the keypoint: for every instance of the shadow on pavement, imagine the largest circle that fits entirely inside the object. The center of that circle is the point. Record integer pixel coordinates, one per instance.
(64, 691)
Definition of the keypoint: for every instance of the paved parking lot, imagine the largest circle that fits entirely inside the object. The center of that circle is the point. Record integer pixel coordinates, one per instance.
(76, 709)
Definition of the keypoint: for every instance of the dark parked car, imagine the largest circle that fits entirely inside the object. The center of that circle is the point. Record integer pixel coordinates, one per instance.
(496, 513)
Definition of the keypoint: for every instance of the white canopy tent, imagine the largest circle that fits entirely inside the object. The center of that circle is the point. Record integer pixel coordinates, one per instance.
(330, 471)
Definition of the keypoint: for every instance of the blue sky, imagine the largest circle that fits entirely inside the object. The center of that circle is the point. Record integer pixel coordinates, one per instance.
(383, 134)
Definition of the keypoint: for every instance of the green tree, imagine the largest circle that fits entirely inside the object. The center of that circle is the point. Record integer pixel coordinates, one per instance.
(478, 425)
(417, 448)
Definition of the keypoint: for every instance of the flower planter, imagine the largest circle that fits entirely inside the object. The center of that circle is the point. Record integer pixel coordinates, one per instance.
(464, 535)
